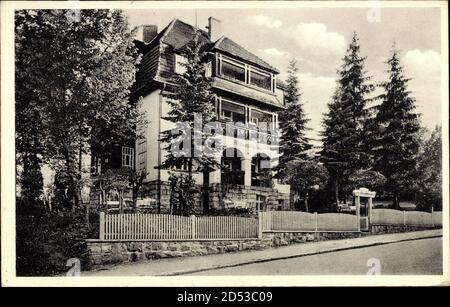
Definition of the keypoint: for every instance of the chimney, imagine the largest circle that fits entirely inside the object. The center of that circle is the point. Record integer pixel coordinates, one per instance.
(147, 32)
(214, 29)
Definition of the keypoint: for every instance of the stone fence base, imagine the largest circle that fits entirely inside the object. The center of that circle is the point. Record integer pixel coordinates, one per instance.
(380, 229)
(102, 252)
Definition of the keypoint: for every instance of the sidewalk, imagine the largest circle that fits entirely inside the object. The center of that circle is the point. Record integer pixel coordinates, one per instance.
(178, 266)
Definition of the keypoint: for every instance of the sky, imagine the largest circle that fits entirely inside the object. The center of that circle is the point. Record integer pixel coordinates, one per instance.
(318, 39)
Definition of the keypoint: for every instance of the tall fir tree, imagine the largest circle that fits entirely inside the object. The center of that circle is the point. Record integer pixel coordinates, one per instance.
(343, 150)
(191, 105)
(396, 144)
(294, 144)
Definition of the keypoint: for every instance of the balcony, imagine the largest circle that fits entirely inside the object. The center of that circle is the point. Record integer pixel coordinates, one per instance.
(249, 133)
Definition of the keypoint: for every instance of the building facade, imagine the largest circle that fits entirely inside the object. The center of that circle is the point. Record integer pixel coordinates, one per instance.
(247, 94)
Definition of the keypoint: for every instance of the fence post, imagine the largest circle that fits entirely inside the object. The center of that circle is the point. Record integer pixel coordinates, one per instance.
(260, 225)
(404, 218)
(193, 226)
(316, 217)
(102, 225)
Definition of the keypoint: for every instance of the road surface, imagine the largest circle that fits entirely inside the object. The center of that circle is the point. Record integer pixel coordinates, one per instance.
(421, 257)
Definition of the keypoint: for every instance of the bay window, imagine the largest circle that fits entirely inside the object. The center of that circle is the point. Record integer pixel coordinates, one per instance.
(232, 112)
(233, 70)
(260, 79)
(245, 73)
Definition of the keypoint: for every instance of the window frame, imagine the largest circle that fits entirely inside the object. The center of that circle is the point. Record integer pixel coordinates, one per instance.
(178, 60)
(127, 152)
(248, 69)
(263, 73)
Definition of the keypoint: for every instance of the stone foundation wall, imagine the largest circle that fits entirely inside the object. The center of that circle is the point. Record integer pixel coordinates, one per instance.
(287, 238)
(113, 252)
(222, 196)
(380, 229)
(103, 253)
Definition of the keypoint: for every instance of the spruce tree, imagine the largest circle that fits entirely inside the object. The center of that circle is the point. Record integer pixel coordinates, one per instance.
(397, 144)
(343, 149)
(191, 107)
(294, 144)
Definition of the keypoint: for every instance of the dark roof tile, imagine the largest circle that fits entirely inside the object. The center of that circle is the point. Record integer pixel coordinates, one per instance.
(227, 45)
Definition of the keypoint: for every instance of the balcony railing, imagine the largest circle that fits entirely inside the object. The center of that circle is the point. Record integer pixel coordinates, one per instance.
(249, 133)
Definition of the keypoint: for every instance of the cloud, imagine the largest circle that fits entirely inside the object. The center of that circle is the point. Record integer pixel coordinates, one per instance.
(317, 91)
(316, 42)
(273, 52)
(424, 67)
(422, 63)
(265, 21)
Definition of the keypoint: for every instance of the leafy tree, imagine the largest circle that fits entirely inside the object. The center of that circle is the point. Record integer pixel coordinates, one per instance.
(191, 106)
(429, 178)
(396, 145)
(306, 176)
(29, 127)
(344, 149)
(79, 73)
(294, 144)
(367, 179)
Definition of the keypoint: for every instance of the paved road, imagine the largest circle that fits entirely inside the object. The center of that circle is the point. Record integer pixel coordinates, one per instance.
(421, 257)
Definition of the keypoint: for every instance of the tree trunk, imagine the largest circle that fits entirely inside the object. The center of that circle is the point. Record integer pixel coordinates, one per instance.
(336, 192)
(306, 202)
(396, 201)
(205, 192)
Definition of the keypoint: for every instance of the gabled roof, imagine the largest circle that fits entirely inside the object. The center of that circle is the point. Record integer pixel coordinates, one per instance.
(228, 46)
(178, 34)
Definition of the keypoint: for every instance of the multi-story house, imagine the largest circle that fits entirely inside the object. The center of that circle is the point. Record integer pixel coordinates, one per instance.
(246, 91)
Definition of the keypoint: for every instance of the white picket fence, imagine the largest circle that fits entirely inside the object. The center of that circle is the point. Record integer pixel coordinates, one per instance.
(139, 226)
(406, 218)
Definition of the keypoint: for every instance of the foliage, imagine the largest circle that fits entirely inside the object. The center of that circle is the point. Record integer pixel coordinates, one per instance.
(344, 149)
(191, 106)
(366, 178)
(76, 76)
(306, 175)
(293, 141)
(396, 143)
(44, 242)
(183, 193)
(119, 180)
(429, 178)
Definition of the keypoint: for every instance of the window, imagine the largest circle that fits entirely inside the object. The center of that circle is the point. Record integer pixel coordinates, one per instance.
(261, 79)
(232, 112)
(208, 69)
(261, 120)
(142, 155)
(127, 157)
(260, 202)
(179, 61)
(233, 71)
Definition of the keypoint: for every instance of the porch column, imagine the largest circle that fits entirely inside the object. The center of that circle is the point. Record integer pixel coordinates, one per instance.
(215, 175)
(247, 167)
